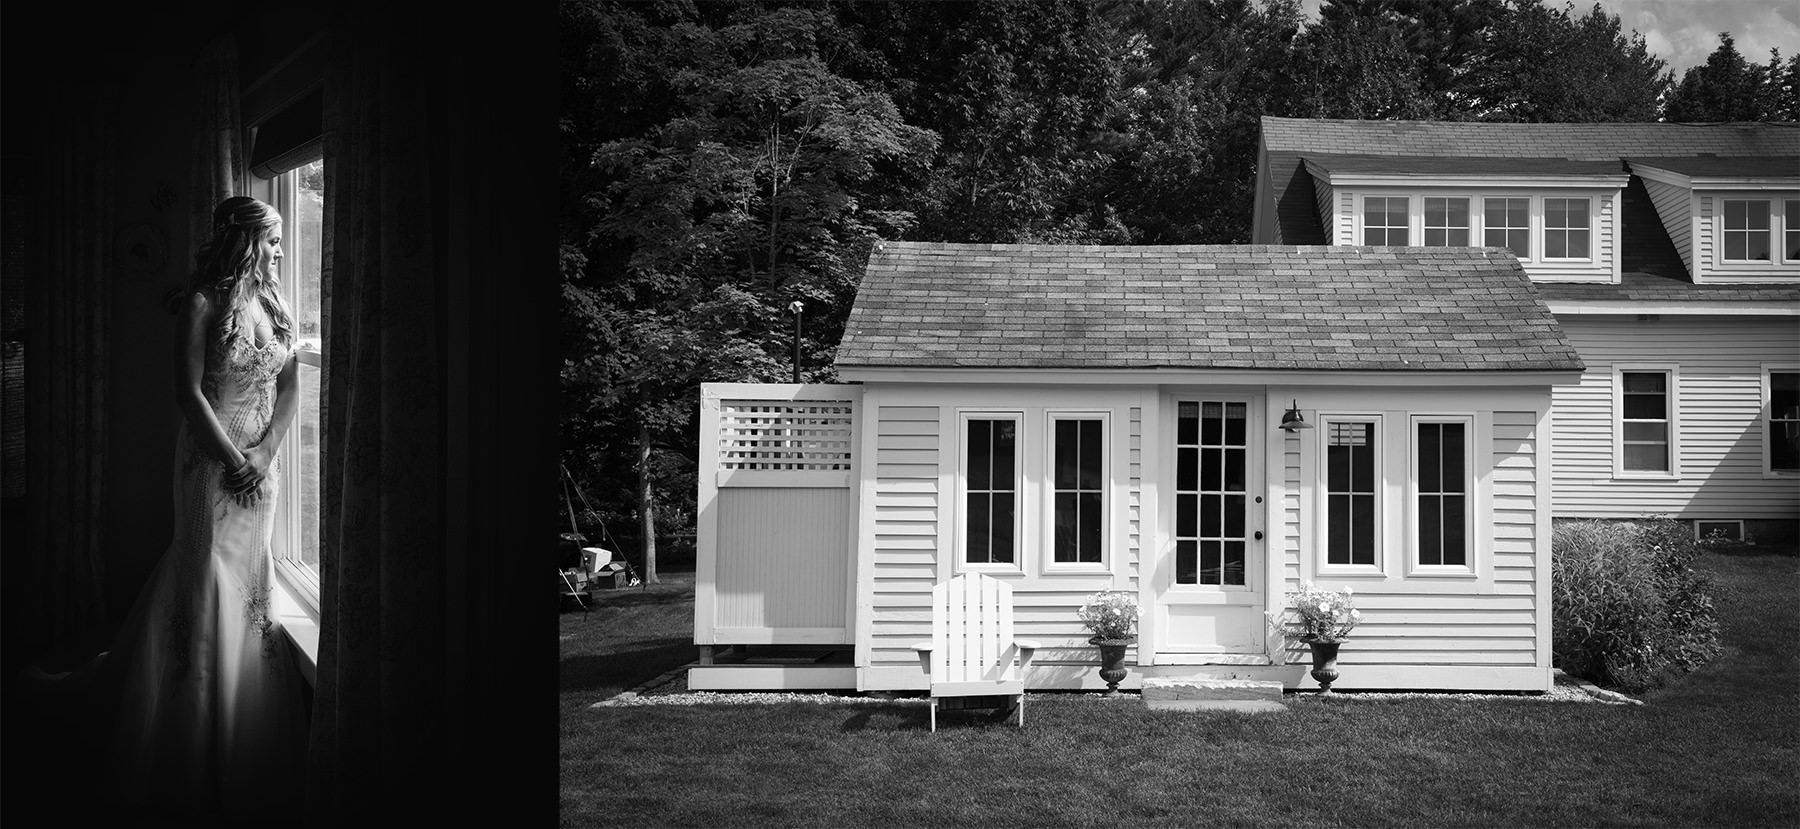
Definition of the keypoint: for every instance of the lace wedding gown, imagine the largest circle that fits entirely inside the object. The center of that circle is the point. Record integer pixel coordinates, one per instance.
(212, 715)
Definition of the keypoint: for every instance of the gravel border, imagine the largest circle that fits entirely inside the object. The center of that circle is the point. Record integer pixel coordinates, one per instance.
(671, 689)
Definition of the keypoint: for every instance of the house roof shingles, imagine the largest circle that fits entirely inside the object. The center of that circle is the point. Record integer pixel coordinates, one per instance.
(1459, 166)
(942, 305)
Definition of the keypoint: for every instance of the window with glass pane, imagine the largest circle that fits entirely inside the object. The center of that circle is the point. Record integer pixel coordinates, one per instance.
(1784, 421)
(1446, 222)
(1211, 453)
(1746, 230)
(1791, 230)
(300, 198)
(1443, 495)
(1566, 232)
(1385, 220)
(1079, 483)
(1645, 421)
(1350, 493)
(992, 489)
(1506, 223)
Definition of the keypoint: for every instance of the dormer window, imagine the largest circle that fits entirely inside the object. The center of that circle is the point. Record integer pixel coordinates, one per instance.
(1746, 230)
(1567, 229)
(1386, 220)
(1508, 225)
(1446, 222)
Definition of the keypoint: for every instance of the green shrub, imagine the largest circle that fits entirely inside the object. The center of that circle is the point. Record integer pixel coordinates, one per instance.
(1627, 609)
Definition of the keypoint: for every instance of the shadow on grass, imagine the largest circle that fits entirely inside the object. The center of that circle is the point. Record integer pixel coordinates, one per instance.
(625, 669)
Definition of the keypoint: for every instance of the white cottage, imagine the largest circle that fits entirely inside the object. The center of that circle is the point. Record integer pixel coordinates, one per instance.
(1074, 419)
(1669, 253)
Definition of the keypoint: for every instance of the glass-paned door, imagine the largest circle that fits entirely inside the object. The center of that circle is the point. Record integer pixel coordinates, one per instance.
(1210, 579)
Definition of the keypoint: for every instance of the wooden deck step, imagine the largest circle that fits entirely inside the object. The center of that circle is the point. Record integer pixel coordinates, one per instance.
(1205, 694)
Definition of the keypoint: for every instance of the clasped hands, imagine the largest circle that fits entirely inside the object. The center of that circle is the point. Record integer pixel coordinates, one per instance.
(244, 484)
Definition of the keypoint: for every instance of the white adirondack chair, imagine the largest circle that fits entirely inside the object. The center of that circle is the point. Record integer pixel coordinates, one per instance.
(972, 651)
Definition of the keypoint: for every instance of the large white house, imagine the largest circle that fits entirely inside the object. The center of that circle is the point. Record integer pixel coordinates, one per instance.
(1432, 352)
(1669, 253)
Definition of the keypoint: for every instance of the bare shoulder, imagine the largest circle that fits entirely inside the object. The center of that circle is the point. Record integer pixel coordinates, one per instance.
(199, 305)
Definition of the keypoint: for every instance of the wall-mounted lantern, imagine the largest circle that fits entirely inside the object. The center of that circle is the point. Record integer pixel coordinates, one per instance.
(1292, 421)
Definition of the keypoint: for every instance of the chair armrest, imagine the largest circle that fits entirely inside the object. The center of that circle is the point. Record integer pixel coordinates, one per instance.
(1026, 647)
(924, 650)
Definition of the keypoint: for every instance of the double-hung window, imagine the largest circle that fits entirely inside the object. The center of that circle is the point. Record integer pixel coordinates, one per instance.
(299, 196)
(1647, 423)
(1442, 511)
(1783, 432)
(990, 490)
(1790, 246)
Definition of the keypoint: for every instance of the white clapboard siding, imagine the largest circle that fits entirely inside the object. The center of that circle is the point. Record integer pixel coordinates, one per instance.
(1496, 624)
(907, 504)
(1719, 408)
(1674, 208)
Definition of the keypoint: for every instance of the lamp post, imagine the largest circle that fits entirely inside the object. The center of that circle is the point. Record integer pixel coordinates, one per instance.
(796, 307)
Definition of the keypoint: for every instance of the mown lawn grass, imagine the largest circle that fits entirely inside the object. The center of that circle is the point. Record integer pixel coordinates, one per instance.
(1717, 748)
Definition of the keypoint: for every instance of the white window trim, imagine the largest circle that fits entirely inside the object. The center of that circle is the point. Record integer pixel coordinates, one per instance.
(1470, 567)
(1673, 370)
(1425, 212)
(1543, 230)
(1047, 519)
(1413, 217)
(1478, 223)
(1767, 413)
(1701, 536)
(1322, 566)
(1777, 264)
(296, 595)
(1020, 442)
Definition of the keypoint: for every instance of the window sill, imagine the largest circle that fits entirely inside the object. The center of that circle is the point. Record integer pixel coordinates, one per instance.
(300, 621)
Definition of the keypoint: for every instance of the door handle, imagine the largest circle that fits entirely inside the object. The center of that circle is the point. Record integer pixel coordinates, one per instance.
(1259, 535)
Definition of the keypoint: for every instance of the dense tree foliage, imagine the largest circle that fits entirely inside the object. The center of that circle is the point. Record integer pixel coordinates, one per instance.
(722, 160)
(1730, 87)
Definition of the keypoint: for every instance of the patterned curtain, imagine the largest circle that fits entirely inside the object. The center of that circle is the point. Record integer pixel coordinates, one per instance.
(218, 165)
(67, 346)
(378, 707)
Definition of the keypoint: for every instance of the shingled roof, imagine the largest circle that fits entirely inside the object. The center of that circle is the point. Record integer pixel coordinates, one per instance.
(941, 305)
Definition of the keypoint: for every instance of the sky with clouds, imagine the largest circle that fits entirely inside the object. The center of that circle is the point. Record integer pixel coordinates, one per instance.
(1684, 32)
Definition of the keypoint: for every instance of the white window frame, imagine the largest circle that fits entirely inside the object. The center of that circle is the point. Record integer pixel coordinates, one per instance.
(1768, 415)
(1544, 229)
(1048, 517)
(1254, 576)
(1020, 442)
(1471, 499)
(1700, 529)
(1478, 217)
(1673, 393)
(1362, 228)
(1425, 226)
(1378, 429)
(1790, 224)
(1780, 223)
(1772, 231)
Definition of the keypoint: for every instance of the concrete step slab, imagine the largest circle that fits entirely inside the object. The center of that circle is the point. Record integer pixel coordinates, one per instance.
(1247, 706)
(1204, 688)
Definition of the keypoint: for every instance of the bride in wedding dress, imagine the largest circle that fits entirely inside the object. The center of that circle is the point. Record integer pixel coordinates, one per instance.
(212, 716)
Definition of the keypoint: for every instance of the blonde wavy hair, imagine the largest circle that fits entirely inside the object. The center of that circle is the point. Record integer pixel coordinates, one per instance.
(226, 264)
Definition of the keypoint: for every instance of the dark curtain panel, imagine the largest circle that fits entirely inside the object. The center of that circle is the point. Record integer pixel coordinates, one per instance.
(439, 443)
(66, 374)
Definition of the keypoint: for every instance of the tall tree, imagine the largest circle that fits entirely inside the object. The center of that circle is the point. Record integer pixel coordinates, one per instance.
(1549, 65)
(753, 180)
(1725, 88)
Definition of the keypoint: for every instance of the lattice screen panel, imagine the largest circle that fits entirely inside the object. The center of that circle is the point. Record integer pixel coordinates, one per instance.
(785, 435)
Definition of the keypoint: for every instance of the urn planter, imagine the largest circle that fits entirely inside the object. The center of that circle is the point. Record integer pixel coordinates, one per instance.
(1112, 661)
(1324, 660)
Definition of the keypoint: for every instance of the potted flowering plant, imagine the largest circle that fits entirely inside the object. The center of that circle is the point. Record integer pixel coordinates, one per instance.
(1323, 619)
(1111, 616)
